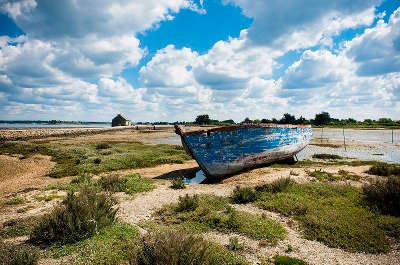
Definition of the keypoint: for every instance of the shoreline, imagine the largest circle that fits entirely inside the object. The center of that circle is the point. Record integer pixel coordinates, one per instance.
(40, 133)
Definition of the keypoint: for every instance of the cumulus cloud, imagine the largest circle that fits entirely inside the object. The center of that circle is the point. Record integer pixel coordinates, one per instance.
(377, 50)
(230, 64)
(322, 80)
(70, 59)
(75, 19)
(121, 91)
(169, 67)
(73, 52)
(316, 69)
(295, 24)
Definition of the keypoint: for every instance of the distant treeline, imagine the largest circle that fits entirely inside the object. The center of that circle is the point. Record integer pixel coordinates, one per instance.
(320, 119)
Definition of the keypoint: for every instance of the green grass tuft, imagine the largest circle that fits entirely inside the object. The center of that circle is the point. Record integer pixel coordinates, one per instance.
(285, 260)
(48, 198)
(129, 184)
(100, 146)
(278, 185)
(16, 201)
(215, 213)
(331, 214)
(324, 176)
(187, 203)
(326, 156)
(234, 244)
(243, 195)
(178, 183)
(111, 245)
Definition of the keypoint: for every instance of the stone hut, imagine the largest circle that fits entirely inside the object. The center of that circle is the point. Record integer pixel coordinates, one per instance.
(120, 120)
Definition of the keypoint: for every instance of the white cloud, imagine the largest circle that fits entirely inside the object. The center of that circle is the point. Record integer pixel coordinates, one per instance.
(73, 19)
(70, 60)
(170, 67)
(121, 91)
(289, 25)
(316, 69)
(229, 65)
(377, 50)
(323, 81)
(73, 52)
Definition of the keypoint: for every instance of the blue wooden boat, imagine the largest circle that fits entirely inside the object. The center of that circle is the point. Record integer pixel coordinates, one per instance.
(227, 150)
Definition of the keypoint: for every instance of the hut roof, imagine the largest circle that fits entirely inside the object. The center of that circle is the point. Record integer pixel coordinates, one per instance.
(122, 116)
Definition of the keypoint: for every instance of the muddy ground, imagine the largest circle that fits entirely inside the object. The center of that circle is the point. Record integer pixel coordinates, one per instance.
(26, 178)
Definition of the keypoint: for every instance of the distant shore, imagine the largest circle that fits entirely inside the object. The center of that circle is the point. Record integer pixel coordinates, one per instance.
(12, 134)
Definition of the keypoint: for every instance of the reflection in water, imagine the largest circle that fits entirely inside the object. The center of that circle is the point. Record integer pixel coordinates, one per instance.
(195, 178)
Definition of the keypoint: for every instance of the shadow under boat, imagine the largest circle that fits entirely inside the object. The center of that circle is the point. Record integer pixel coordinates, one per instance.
(195, 175)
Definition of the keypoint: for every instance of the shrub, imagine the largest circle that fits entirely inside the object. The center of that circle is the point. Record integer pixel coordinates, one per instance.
(324, 176)
(178, 183)
(384, 169)
(289, 249)
(78, 217)
(243, 195)
(234, 244)
(285, 260)
(187, 203)
(97, 161)
(83, 179)
(101, 146)
(136, 183)
(175, 247)
(326, 156)
(113, 183)
(17, 254)
(278, 185)
(18, 227)
(384, 195)
(321, 175)
(343, 174)
(16, 201)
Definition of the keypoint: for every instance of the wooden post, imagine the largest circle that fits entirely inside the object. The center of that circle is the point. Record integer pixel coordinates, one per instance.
(322, 134)
(392, 137)
(344, 140)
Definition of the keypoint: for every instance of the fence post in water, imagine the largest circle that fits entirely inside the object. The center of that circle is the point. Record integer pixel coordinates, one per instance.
(322, 134)
(344, 141)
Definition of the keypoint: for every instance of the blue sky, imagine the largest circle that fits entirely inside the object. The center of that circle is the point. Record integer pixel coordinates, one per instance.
(172, 60)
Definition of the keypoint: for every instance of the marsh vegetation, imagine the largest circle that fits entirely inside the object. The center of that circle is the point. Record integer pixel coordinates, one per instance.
(252, 216)
(75, 159)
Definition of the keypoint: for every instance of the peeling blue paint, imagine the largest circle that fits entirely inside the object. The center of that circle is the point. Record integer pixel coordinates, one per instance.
(228, 151)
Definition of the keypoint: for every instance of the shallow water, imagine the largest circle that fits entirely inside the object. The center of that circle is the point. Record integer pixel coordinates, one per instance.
(379, 136)
(195, 178)
(381, 153)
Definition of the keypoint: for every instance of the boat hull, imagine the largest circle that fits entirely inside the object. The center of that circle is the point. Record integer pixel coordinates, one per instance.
(225, 151)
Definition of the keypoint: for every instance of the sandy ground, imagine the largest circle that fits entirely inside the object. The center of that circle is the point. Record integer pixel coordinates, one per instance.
(18, 173)
(26, 178)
